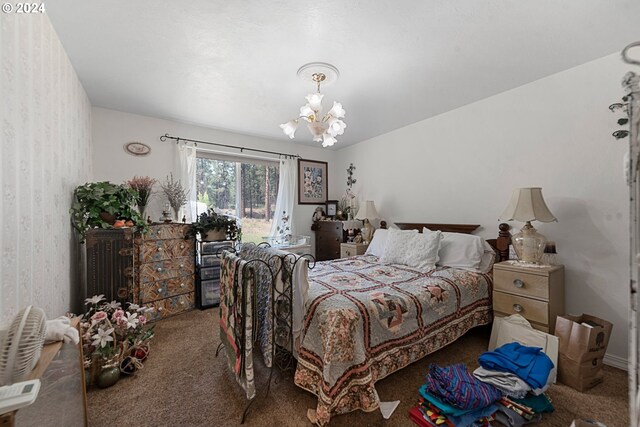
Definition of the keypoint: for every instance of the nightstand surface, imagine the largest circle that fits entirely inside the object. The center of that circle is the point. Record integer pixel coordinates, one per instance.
(352, 249)
(537, 293)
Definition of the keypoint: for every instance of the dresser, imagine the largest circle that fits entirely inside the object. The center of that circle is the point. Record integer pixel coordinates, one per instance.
(536, 293)
(164, 270)
(352, 249)
(329, 236)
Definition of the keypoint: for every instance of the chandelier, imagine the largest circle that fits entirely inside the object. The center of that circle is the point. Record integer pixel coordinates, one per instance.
(323, 128)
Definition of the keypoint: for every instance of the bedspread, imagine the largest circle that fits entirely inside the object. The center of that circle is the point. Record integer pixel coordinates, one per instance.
(366, 320)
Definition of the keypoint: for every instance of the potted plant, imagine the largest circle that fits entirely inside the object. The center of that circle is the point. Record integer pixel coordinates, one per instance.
(213, 226)
(100, 204)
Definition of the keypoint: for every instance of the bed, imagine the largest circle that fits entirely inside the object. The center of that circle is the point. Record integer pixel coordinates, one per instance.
(366, 319)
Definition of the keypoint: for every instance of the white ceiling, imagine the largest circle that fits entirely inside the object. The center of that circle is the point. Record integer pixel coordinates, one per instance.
(232, 64)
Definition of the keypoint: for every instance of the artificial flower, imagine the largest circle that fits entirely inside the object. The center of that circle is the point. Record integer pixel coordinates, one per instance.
(114, 305)
(130, 320)
(143, 320)
(94, 299)
(98, 317)
(117, 315)
(102, 337)
(133, 306)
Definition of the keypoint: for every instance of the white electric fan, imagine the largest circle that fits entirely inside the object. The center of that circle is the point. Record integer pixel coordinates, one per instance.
(21, 345)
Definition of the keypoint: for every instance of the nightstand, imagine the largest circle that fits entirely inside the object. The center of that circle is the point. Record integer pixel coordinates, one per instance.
(352, 249)
(536, 293)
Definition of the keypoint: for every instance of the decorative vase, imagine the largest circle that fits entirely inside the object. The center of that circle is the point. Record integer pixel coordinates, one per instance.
(176, 214)
(108, 377)
(141, 209)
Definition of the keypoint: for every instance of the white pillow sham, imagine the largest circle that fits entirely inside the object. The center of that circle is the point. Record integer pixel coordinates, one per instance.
(412, 249)
(464, 251)
(379, 241)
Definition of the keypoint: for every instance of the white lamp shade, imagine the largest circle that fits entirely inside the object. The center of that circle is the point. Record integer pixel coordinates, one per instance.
(315, 101)
(328, 140)
(337, 111)
(367, 211)
(527, 204)
(289, 128)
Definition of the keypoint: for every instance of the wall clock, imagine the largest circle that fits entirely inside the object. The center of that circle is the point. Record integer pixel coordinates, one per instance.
(137, 148)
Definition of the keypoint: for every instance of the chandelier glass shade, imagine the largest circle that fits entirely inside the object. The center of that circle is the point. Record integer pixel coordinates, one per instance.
(323, 128)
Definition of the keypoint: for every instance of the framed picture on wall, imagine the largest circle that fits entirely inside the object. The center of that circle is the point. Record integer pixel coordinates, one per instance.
(312, 182)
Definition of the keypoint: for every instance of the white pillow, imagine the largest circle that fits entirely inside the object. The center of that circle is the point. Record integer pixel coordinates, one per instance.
(412, 249)
(488, 258)
(379, 241)
(459, 250)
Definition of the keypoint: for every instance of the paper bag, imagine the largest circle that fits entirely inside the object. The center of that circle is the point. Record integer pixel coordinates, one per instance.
(583, 344)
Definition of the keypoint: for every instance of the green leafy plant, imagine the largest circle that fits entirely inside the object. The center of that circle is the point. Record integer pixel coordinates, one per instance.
(95, 203)
(210, 220)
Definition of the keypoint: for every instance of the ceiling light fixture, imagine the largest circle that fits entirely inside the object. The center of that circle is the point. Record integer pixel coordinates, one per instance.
(323, 128)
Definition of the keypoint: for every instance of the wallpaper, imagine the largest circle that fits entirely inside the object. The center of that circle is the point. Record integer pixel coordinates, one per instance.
(45, 129)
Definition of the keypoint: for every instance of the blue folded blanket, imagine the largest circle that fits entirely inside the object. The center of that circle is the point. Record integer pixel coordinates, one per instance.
(528, 363)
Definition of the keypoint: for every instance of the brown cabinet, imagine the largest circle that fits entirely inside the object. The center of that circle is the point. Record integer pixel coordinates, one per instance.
(329, 236)
(164, 273)
(109, 264)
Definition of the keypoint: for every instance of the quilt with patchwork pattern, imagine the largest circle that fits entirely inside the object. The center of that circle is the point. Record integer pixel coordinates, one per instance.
(366, 320)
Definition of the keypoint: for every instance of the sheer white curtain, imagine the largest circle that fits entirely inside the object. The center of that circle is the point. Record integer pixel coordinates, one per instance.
(186, 168)
(286, 196)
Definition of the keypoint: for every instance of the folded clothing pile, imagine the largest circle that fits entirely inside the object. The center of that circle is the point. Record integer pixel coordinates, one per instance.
(522, 374)
(508, 388)
(452, 396)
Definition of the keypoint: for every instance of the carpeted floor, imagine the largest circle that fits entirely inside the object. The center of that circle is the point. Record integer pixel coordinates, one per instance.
(184, 384)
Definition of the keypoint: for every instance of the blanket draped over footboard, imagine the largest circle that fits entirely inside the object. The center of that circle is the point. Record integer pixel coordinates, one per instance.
(236, 321)
(366, 320)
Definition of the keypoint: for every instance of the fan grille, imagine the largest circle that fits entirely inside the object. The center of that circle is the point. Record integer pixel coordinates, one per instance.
(21, 345)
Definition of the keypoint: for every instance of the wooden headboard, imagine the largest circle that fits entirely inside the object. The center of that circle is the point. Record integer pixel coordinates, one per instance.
(500, 244)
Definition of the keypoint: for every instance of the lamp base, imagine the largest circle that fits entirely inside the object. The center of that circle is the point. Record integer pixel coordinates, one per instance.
(367, 232)
(529, 244)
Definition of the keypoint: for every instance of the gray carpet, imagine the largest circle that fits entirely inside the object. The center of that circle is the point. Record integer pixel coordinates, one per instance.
(184, 384)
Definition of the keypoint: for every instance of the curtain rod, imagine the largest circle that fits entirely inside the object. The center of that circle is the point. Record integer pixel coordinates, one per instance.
(178, 139)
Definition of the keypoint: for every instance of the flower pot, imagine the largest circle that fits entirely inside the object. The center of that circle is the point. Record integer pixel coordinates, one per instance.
(214, 235)
(107, 217)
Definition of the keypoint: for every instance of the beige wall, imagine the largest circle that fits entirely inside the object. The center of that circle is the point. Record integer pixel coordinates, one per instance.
(112, 129)
(462, 166)
(45, 127)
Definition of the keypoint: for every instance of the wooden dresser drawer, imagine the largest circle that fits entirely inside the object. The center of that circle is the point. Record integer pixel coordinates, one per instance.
(156, 250)
(166, 231)
(166, 288)
(166, 269)
(532, 310)
(170, 306)
(521, 283)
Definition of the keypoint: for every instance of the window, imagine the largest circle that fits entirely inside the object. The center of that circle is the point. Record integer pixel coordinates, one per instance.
(245, 188)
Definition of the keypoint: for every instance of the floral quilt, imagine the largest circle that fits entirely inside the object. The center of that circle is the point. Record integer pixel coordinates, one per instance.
(236, 318)
(366, 320)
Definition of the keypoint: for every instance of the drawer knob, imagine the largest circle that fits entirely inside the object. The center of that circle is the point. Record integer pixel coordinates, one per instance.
(182, 246)
(348, 253)
(159, 249)
(517, 308)
(159, 269)
(518, 283)
(182, 285)
(159, 290)
(160, 309)
(182, 302)
(181, 265)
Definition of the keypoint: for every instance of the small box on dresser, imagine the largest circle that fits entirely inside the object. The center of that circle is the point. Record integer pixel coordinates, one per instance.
(352, 249)
(165, 270)
(536, 293)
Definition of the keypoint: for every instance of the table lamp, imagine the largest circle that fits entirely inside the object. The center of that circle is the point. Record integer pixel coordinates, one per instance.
(526, 205)
(366, 213)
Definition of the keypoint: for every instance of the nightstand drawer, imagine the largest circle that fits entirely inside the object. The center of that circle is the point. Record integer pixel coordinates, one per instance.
(352, 249)
(521, 283)
(532, 310)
